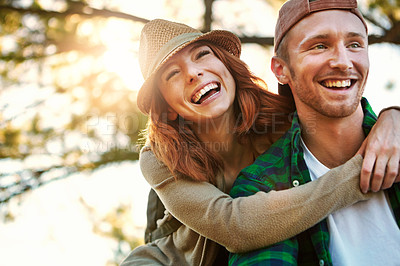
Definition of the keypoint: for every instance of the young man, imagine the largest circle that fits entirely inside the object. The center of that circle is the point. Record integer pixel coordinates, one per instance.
(322, 57)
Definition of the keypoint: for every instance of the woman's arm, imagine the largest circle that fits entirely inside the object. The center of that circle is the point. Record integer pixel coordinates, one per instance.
(248, 223)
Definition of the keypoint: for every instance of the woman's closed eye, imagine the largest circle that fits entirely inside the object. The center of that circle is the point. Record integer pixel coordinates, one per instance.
(202, 53)
(171, 74)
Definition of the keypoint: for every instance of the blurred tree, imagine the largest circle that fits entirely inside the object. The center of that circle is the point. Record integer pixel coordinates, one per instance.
(55, 51)
(117, 225)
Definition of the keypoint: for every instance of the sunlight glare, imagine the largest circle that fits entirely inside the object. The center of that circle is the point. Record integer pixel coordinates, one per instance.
(120, 57)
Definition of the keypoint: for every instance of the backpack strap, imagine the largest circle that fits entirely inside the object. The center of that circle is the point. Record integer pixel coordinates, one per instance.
(155, 211)
(165, 229)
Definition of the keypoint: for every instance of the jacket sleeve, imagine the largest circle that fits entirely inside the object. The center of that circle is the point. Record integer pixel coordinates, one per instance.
(247, 223)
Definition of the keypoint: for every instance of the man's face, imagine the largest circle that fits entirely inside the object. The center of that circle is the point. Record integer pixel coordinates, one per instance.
(328, 69)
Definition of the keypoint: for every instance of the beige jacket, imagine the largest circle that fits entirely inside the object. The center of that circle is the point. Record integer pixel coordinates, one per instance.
(240, 224)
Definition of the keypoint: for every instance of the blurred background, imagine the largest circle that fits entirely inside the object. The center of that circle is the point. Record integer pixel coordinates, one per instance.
(71, 191)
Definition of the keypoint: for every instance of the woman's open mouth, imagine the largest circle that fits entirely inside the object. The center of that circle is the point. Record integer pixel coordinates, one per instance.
(206, 92)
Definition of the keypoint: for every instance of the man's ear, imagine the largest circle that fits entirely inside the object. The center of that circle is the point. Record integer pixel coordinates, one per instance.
(172, 115)
(280, 69)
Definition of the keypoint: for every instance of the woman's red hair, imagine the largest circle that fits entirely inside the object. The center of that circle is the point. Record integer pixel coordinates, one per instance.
(255, 108)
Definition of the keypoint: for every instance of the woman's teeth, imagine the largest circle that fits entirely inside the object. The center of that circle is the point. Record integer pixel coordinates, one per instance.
(196, 98)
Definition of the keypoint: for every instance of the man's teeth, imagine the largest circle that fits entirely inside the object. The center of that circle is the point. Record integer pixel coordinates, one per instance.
(203, 91)
(337, 83)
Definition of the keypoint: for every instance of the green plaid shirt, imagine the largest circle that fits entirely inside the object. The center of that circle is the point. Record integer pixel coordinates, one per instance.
(279, 168)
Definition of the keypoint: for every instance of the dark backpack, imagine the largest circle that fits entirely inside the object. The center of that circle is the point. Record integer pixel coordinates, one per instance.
(155, 211)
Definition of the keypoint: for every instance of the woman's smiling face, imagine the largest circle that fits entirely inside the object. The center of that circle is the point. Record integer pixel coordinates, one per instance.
(196, 84)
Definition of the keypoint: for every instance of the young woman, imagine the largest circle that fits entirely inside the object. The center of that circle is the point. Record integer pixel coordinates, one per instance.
(209, 118)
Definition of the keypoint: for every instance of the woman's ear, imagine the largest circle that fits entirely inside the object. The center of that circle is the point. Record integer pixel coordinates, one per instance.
(172, 115)
(280, 69)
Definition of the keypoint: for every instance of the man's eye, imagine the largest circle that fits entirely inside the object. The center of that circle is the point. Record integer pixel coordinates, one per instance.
(319, 47)
(355, 45)
(171, 74)
(202, 53)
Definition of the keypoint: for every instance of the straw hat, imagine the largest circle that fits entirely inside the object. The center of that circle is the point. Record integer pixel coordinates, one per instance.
(161, 39)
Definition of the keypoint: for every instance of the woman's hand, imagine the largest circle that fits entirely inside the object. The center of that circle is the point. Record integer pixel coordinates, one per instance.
(381, 152)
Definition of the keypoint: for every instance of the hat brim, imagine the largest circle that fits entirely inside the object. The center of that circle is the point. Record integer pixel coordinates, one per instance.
(224, 39)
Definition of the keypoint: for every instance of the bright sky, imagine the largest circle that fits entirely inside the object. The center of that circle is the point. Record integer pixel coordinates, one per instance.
(51, 223)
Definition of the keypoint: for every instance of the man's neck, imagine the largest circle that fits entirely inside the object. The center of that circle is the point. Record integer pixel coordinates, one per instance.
(333, 141)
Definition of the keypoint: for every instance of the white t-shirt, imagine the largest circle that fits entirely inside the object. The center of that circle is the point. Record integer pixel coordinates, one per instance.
(365, 233)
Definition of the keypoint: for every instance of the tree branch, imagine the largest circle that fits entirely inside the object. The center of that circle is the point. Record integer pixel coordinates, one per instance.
(390, 36)
(373, 21)
(269, 41)
(207, 15)
(19, 188)
(86, 12)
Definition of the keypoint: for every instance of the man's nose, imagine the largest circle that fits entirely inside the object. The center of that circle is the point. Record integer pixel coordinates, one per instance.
(340, 58)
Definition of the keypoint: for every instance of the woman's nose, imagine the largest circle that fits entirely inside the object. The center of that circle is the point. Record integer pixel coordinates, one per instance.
(194, 75)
